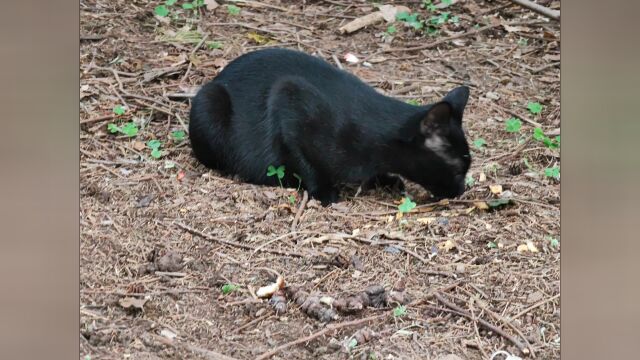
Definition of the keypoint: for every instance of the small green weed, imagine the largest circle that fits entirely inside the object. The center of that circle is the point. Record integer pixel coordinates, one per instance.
(553, 241)
(400, 311)
(278, 172)
(553, 172)
(513, 125)
(539, 135)
(413, 102)
(391, 30)
(523, 42)
(534, 107)
(161, 10)
(178, 135)
(469, 181)
(155, 145)
(228, 288)
(119, 110)
(233, 10)
(406, 205)
(130, 129)
(410, 19)
(479, 143)
(491, 245)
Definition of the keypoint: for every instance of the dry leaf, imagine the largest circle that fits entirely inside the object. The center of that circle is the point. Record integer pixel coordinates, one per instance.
(483, 177)
(138, 145)
(481, 205)
(447, 245)
(350, 58)
(220, 62)
(496, 189)
(211, 4)
(389, 12)
(426, 220)
(531, 246)
(259, 39)
(168, 334)
(129, 302)
(267, 291)
(514, 28)
(522, 248)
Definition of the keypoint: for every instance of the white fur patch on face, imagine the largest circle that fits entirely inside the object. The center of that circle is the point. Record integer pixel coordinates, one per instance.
(439, 146)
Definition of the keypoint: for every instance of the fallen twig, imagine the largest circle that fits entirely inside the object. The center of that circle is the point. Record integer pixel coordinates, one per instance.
(457, 36)
(487, 325)
(305, 199)
(317, 334)
(534, 306)
(236, 244)
(550, 13)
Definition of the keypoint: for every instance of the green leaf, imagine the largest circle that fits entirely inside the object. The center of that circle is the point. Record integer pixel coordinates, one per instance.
(352, 344)
(130, 129)
(469, 181)
(170, 2)
(431, 8)
(154, 144)
(280, 172)
(119, 110)
(513, 125)
(178, 135)
(454, 19)
(554, 242)
(161, 11)
(198, 3)
(538, 134)
(113, 128)
(228, 288)
(479, 143)
(432, 31)
(523, 42)
(492, 245)
(552, 172)
(446, 2)
(534, 107)
(214, 45)
(413, 102)
(391, 29)
(292, 199)
(233, 10)
(558, 140)
(271, 170)
(400, 311)
(497, 202)
(402, 16)
(187, 6)
(156, 153)
(406, 206)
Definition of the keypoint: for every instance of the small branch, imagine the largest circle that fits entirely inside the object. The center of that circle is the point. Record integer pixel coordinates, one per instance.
(487, 325)
(305, 199)
(534, 306)
(236, 244)
(337, 61)
(315, 335)
(458, 36)
(550, 13)
(208, 354)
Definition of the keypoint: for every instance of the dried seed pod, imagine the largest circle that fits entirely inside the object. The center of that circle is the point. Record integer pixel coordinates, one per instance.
(279, 302)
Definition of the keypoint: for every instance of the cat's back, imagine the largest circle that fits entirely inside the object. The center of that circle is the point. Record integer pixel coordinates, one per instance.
(260, 69)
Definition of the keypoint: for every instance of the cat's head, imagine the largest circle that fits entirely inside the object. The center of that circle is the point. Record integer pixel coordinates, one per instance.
(440, 156)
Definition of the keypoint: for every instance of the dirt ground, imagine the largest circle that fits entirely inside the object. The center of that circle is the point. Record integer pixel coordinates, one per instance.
(172, 253)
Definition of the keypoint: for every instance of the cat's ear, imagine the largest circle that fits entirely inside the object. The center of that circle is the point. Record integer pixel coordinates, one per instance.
(457, 98)
(437, 120)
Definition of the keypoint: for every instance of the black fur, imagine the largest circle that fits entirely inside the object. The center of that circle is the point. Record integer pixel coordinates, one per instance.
(283, 107)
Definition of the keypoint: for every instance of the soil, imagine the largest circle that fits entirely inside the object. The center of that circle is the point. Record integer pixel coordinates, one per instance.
(172, 253)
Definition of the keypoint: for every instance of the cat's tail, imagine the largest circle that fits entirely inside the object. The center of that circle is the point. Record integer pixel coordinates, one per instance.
(210, 116)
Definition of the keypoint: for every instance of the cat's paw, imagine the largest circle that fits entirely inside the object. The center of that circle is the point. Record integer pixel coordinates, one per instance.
(326, 196)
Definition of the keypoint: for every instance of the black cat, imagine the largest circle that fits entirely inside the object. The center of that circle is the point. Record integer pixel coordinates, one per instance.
(284, 107)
